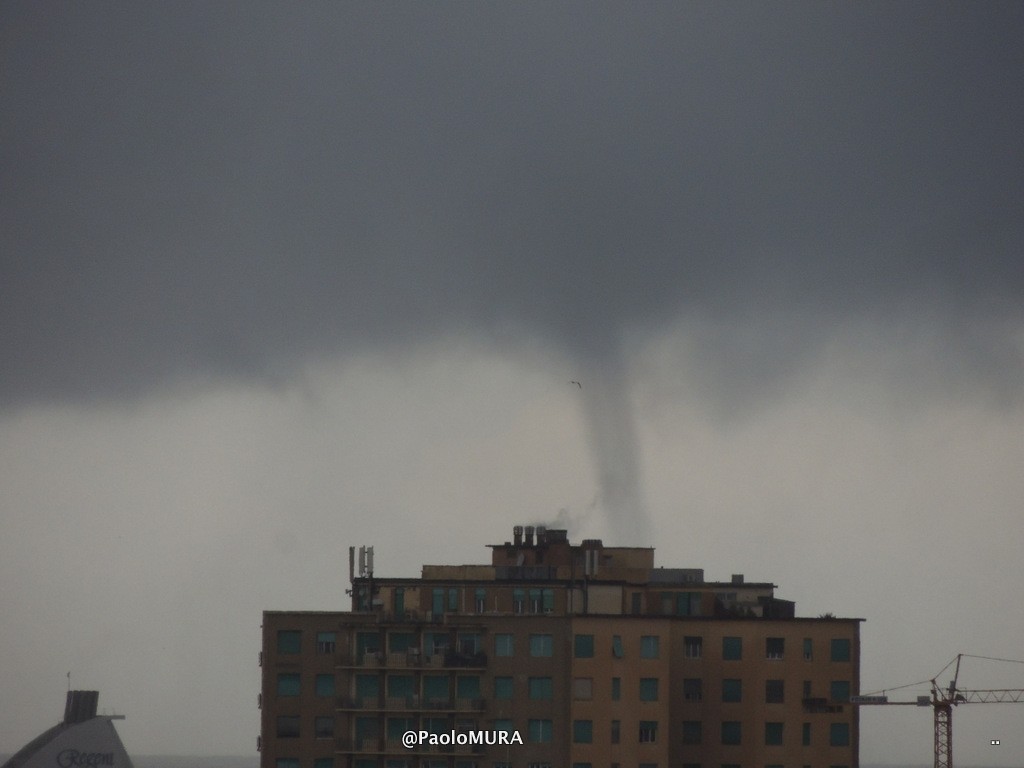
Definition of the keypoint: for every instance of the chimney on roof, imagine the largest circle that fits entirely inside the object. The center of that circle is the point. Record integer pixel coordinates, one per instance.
(542, 534)
(737, 578)
(517, 535)
(529, 536)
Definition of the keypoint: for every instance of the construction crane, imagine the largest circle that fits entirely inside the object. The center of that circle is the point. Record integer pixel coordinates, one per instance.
(942, 700)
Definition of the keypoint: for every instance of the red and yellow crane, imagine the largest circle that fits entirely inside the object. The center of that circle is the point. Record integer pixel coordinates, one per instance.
(942, 700)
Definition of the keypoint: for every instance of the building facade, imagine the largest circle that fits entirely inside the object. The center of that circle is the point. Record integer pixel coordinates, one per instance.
(581, 656)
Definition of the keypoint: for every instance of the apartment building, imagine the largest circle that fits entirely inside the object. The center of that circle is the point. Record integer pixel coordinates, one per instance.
(584, 656)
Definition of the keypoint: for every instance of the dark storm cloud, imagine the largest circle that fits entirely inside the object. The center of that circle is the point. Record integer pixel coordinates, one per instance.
(208, 191)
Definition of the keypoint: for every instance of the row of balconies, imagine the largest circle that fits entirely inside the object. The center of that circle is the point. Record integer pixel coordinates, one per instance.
(414, 659)
(376, 745)
(411, 704)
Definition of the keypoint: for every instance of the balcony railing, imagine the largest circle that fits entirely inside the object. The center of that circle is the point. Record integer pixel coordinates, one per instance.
(410, 703)
(450, 658)
(820, 705)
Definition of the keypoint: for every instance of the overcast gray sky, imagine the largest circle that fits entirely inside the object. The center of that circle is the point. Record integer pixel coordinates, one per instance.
(279, 279)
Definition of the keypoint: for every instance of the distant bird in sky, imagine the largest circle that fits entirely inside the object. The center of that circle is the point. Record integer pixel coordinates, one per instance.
(577, 384)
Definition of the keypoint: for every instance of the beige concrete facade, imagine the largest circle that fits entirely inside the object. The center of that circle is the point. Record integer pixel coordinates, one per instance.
(593, 657)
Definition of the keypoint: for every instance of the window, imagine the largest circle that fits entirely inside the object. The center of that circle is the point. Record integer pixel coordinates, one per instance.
(688, 604)
(840, 649)
(636, 603)
(323, 727)
(583, 731)
(435, 643)
(326, 642)
(583, 646)
(774, 691)
(732, 732)
(732, 690)
(772, 733)
(616, 688)
(287, 762)
(668, 603)
(807, 689)
(648, 731)
(400, 686)
(288, 684)
(839, 734)
(540, 688)
(648, 689)
(693, 689)
(542, 600)
(367, 687)
(400, 642)
(538, 731)
(806, 736)
(519, 601)
(467, 687)
(435, 688)
(504, 645)
(583, 688)
(323, 762)
(808, 649)
(582, 765)
(435, 724)
(325, 685)
(617, 651)
(693, 731)
(503, 726)
(396, 726)
(774, 647)
(616, 731)
(367, 728)
(541, 645)
(732, 648)
(289, 641)
(503, 688)
(288, 726)
(398, 601)
(693, 647)
(840, 690)
(453, 599)
(535, 601)
(649, 647)
(480, 600)
(469, 642)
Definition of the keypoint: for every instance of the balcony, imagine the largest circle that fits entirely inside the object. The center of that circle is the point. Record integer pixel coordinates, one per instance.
(378, 745)
(820, 706)
(465, 659)
(410, 704)
(414, 660)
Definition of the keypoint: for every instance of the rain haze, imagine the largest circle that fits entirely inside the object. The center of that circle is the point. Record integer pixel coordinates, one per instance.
(280, 279)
